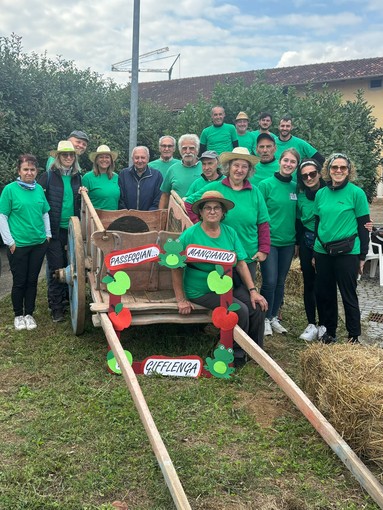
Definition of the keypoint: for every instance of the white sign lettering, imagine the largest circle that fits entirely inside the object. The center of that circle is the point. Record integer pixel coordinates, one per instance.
(133, 257)
(205, 254)
(176, 367)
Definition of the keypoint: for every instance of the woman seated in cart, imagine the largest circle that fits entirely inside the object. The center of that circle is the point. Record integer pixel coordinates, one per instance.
(190, 284)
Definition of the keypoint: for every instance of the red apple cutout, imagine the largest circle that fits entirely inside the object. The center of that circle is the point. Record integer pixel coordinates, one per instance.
(225, 318)
(121, 318)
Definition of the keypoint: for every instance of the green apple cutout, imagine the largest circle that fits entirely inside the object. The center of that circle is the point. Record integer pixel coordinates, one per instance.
(118, 283)
(113, 366)
(218, 281)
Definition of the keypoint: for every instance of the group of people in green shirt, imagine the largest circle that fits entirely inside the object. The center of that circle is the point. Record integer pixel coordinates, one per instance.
(288, 204)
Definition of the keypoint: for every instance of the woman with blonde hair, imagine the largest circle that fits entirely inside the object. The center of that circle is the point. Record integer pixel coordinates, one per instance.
(102, 181)
(341, 244)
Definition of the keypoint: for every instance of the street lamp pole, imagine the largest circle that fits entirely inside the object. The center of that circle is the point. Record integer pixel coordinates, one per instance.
(134, 80)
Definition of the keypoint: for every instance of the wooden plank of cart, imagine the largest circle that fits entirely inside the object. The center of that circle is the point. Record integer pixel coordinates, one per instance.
(151, 301)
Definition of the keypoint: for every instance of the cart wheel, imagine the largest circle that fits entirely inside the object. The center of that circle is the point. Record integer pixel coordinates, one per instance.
(76, 279)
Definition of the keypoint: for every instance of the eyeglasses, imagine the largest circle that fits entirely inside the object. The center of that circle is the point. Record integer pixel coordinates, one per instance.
(67, 154)
(209, 209)
(312, 174)
(163, 146)
(336, 168)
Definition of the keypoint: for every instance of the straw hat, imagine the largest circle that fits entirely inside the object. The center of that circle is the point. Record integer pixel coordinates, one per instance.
(63, 146)
(103, 149)
(213, 196)
(242, 116)
(238, 153)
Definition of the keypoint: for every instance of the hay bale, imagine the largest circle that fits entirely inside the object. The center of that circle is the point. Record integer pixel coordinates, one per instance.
(345, 382)
(294, 280)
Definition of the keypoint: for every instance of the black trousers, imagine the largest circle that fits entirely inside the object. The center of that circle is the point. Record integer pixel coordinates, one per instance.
(25, 264)
(251, 320)
(341, 270)
(57, 258)
(310, 284)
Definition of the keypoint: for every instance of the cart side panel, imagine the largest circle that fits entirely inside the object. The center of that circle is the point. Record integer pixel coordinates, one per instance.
(142, 276)
(177, 220)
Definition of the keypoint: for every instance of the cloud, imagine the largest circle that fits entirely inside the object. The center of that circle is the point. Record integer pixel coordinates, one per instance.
(212, 36)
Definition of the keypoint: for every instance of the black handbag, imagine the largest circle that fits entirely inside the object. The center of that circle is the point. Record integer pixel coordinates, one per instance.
(309, 239)
(339, 247)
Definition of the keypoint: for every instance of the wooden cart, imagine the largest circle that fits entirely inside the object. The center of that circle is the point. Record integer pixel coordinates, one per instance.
(151, 298)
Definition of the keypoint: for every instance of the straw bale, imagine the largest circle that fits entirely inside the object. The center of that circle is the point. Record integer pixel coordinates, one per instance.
(345, 382)
(294, 280)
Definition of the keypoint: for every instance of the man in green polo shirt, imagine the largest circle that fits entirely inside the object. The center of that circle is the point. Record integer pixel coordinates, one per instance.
(286, 140)
(219, 137)
(181, 175)
(167, 146)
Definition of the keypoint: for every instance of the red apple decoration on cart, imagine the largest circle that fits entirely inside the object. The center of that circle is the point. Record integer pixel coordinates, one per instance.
(121, 317)
(225, 318)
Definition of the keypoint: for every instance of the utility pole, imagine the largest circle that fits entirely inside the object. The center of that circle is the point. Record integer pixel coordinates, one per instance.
(134, 82)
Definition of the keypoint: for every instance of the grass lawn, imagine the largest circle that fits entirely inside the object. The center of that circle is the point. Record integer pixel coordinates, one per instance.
(72, 439)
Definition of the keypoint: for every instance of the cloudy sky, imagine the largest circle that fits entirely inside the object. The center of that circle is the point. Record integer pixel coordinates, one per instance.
(211, 36)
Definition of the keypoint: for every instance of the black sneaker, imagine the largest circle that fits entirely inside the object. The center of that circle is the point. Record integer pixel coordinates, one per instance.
(353, 340)
(327, 339)
(240, 357)
(57, 315)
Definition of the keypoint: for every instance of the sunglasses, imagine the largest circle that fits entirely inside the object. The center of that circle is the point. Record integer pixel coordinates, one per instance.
(312, 174)
(336, 168)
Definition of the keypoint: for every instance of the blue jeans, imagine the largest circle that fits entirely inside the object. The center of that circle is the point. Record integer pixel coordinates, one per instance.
(274, 271)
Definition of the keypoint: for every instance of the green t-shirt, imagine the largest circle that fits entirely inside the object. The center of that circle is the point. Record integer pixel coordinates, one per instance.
(163, 166)
(195, 280)
(281, 202)
(305, 211)
(67, 209)
(104, 193)
(200, 183)
(219, 139)
(264, 171)
(249, 211)
(24, 209)
(338, 211)
(179, 178)
(247, 140)
(304, 149)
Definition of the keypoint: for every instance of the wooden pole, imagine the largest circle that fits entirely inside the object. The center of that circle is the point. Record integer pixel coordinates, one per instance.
(163, 458)
(314, 416)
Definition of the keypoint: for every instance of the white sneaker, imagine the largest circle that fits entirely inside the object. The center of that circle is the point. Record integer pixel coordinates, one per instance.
(19, 323)
(268, 330)
(321, 331)
(30, 322)
(310, 333)
(277, 326)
